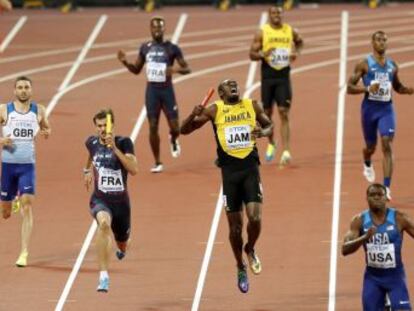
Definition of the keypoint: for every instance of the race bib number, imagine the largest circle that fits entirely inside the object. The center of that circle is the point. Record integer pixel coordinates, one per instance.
(156, 72)
(279, 58)
(381, 256)
(22, 130)
(238, 137)
(384, 92)
(110, 180)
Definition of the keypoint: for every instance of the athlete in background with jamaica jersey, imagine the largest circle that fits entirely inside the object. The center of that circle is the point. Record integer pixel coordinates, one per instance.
(277, 45)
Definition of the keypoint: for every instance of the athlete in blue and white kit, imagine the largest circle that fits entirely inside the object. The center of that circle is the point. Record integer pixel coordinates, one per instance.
(380, 75)
(21, 120)
(109, 162)
(159, 56)
(379, 230)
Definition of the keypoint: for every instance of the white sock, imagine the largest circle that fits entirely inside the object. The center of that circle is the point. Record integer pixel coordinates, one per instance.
(103, 274)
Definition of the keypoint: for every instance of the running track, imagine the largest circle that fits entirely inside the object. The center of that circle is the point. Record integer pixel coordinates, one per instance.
(173, 211)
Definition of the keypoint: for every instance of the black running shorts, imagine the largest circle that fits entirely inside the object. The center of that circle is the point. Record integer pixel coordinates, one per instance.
(120, 211)
(241, 186)
(277, 91)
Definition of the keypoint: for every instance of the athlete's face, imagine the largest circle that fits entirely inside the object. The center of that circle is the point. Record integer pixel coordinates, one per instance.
(376, 198)
(229, 91)
(379, 43)
(23, 91)
(100, 125)
(157, 29)
(275, 16)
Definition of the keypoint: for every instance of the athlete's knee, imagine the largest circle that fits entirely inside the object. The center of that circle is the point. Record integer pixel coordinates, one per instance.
(26, 208)
(284, 113)
(6, 212)
(153, 126)
(370, 149)
(235, 230)
(386, 146)
(104, 225)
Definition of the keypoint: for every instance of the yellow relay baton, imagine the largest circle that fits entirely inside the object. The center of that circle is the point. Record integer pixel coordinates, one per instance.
(109, 126)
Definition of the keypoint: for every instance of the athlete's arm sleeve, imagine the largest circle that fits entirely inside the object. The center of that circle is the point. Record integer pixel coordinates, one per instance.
(88, 143)
(126, 146)
(177, 51)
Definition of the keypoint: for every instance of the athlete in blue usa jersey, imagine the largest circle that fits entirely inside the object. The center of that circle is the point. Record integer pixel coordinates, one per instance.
(379, 230)
(380, 76)
(21, 121)
(110, 160)
(159, 56)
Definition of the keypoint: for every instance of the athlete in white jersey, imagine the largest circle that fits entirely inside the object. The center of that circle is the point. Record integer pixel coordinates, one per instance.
(21, 121)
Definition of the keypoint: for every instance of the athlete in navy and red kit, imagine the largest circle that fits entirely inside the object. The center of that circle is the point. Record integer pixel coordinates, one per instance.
(109, 162)
(159, 57)
(380, 76)
(379, 229)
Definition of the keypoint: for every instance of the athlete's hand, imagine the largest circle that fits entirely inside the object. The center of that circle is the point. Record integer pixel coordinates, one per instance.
(371, 231)
(109, 140)
(293, 55)
(268, 52)
(122, 56)
(257, 132)
(45, 133)
(198, 110)
(374, 87)
(6, 141)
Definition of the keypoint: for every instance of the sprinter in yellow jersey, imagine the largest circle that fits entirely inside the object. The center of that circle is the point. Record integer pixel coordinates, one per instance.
(277, 44)
(237, 124)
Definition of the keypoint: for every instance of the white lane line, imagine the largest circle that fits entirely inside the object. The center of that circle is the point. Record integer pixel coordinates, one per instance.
(209, 249)
(82, 54)
(10, 36)
(338, 161)
(51, 105)
(77, 63)
(62, 299)
(93, 227)
(253, 65)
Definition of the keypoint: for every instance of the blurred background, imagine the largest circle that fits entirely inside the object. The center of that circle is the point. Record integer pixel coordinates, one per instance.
(149, 5)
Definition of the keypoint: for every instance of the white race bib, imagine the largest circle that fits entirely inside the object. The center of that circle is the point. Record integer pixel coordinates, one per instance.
(381, 256)
(384, 91)
(110, 180)
(280, 57)
(238, 137)
(156, 72)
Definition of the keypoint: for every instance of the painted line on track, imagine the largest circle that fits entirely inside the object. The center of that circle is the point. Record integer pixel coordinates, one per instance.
(340, 120)
(10, 36)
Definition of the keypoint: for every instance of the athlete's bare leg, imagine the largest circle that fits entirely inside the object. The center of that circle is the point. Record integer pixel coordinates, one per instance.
(103, 239)
(235, 220)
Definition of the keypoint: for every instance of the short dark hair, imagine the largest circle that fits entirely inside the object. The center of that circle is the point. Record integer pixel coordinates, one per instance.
(158, 19)
(377, 185)
(101, 114)
(22, 78)
(378, 32)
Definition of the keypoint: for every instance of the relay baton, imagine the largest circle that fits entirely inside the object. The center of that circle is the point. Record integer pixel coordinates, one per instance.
(207, 97)
(108, 128)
